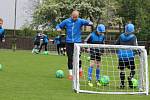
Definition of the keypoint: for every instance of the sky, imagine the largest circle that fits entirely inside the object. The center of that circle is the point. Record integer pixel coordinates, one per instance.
(7, 12)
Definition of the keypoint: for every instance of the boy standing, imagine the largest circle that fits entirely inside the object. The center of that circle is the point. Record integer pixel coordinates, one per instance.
(126, 57)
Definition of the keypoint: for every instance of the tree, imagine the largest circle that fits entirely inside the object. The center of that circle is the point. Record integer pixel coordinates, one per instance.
(61, 9)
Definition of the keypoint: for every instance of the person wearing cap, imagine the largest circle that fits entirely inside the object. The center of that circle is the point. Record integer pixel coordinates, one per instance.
(45, 41)
(126, 56)
(96, 37)
(37, 42)
(73, 35)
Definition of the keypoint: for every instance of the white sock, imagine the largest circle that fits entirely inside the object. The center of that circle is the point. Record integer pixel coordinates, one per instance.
(33, 50)
(70, 71)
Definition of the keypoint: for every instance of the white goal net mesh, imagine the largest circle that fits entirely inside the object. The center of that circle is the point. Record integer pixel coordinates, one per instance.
(109, 78)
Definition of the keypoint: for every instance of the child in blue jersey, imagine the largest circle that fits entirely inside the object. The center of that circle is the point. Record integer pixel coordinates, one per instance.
(126, 56)
(57, 43)
(97, 37)
(45, 41)
(37, 42)
(2, 31)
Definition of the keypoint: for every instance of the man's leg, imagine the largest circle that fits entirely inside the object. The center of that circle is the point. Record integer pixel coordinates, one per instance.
(69, 48)
(80, 67)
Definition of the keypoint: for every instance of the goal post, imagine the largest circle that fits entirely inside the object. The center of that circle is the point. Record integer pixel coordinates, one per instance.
(109, 67)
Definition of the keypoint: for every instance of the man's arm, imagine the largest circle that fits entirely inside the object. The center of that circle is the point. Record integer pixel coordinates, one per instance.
(61, 25)
(86, 22)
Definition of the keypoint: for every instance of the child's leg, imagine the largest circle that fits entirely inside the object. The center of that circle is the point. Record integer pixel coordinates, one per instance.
(90, 69)
(132, 72)
(41, 47)
(98, 70)
(122, 73)
(45, 46)
(98, 59)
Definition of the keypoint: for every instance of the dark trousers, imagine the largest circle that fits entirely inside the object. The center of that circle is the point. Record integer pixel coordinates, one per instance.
(70, 50)
(43, 44)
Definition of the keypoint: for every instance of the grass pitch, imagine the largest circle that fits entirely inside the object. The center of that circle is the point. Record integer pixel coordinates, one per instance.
(26, 76)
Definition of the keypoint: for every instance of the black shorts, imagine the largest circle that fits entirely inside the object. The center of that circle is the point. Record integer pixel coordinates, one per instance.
(36, 43)
(129, 63)
(95, 54)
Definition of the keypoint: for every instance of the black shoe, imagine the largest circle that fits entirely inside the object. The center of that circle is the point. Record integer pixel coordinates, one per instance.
(130, 82)
(122, 86)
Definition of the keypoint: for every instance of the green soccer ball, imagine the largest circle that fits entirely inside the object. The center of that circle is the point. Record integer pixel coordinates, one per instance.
(45, 53)
(134, 82)
(104, 80)
(59, 74)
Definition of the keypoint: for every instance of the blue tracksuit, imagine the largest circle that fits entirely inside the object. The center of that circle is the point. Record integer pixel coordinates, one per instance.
(96, 38)
(73, 29)
(126, 39)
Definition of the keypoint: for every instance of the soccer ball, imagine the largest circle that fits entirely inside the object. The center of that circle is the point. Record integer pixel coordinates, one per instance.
(104, 80)
(59, 74)
(45, 52)
(134, 82)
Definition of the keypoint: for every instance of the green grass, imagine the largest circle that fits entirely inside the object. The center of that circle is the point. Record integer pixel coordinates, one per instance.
(32, 77)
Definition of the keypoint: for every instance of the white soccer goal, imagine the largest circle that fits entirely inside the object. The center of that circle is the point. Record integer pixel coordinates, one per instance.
(109, 67)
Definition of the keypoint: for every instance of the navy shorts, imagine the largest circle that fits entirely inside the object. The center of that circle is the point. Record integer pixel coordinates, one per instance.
(129, 63)
(95, 54)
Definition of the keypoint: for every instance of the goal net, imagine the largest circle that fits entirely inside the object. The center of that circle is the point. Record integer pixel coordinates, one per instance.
(109, 78)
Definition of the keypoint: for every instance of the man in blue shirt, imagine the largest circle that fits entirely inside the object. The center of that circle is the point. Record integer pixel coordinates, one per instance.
(73, 35)
(126, 56)
(97, 37)
(2, 31)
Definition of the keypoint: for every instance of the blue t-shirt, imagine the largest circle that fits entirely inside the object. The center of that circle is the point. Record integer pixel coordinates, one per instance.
(96, 38)
(126, 39)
